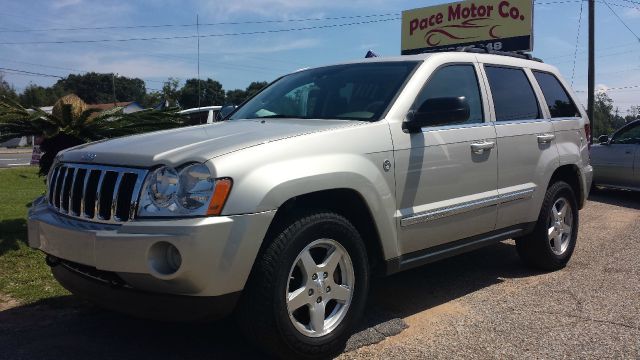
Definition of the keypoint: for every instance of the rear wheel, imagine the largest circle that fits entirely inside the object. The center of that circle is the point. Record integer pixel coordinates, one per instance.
(551, 244)
(307, 289)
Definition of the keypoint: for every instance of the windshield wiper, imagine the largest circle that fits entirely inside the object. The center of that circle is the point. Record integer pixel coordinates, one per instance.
(282, 116)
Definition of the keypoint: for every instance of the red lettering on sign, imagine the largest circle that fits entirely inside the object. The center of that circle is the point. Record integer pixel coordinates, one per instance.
(501, 9)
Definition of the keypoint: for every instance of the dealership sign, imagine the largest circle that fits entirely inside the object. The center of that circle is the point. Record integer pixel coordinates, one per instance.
(505, 25)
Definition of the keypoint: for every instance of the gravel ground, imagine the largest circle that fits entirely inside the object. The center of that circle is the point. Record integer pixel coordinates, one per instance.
(483, 304)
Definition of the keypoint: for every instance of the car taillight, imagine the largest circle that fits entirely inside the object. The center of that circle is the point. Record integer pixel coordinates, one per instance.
(587, 132)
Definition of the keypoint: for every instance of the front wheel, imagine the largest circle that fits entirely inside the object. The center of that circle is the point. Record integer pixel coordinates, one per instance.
(308, 288)
(551, 244)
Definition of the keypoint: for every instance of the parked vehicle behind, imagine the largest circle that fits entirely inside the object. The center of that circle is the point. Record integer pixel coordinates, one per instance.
(282, 213)
(616, 160)
(201, 115)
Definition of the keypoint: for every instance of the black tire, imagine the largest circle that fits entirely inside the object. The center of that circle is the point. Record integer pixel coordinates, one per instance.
(262, 312)
(536, 249)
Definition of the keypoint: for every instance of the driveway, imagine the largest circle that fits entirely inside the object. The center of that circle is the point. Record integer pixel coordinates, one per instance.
(483, 304)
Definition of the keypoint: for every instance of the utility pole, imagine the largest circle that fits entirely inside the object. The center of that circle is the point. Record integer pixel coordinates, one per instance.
(591, 87)
(198, 36)
(113, 86)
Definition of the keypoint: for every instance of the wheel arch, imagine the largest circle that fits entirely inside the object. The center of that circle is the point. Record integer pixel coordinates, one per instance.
(570, 173)
(346, 202)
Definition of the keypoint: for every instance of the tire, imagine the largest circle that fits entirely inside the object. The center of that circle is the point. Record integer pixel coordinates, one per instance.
(285, 296)
(550, 246)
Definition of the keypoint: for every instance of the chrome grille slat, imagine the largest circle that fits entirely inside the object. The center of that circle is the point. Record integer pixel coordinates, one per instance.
(52, 184)
(120, 196)
(114, 197)
(87, 175)
(133, 205)
(56, 193)
(71, 192)
(64, 186)
(96, 205)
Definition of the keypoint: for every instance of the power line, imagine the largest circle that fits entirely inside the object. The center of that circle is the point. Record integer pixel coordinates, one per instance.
(622, 21)
(575, 52)
(30, 72)
(619, 88)
(201, 36)
(251, 22)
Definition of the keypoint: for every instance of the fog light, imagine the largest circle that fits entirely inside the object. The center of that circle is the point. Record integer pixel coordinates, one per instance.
(164, 258)
(174, 260)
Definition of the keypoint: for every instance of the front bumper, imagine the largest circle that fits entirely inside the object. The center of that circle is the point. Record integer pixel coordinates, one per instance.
(165, 307)
(217, 252)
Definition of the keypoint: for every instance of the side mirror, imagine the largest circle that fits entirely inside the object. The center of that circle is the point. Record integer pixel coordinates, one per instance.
(603, 139)
(225, 111)
(438, 111)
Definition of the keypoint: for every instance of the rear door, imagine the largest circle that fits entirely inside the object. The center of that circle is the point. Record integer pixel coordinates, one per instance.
(526, 150)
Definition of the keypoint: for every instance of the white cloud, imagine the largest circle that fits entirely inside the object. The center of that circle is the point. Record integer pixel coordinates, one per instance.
(277, 46)
(631, 13)
(57, 4)
(285, 8)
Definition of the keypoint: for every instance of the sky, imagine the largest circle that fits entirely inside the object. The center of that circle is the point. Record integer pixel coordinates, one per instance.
(237, 60)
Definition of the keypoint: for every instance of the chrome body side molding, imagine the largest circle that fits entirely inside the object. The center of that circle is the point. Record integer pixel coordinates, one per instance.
(466, 207)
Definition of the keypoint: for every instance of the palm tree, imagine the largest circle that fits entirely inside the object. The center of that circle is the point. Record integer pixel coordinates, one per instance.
(72, 123)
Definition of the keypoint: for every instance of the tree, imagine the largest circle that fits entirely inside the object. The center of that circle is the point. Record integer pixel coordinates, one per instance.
(72, 123)
(152, 99)
(255, 86)
(96, 88)
(170, 90)
(235, 97)
(603, 115)
(7, 89)
(36, 96)
(211, 93)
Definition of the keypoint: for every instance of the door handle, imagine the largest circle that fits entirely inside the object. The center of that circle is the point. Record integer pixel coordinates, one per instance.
(545, 138)
(480, 147)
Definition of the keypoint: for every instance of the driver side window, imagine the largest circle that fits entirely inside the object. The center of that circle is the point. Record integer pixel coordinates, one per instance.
(454, 81)
(627, 136)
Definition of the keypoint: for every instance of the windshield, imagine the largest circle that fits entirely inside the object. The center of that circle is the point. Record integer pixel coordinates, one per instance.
(359, 91)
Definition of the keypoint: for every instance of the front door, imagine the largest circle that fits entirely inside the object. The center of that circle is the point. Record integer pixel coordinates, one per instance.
(615, 161)
(446, 175)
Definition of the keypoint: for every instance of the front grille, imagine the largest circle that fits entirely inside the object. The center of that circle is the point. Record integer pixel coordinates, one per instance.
(98, 193)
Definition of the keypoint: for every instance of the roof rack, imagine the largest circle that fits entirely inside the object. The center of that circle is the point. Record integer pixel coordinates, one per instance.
(515, 54)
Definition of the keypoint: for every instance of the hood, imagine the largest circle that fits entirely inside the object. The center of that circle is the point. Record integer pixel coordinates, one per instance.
(195, 143)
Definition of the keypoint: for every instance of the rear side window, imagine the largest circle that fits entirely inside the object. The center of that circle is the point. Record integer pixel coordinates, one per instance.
(558, 100)
(513, 96)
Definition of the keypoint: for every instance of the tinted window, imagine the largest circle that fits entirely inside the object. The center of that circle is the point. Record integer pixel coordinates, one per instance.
(455, 81)
(559, 102)
(359, 91)
(196, 118)
(513, 96)
(629, 135)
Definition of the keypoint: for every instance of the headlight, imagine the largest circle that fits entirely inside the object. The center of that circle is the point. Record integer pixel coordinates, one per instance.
(187, 191)
(163, 186)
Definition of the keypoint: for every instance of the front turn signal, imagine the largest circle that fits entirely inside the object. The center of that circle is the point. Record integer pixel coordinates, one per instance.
(220, 195)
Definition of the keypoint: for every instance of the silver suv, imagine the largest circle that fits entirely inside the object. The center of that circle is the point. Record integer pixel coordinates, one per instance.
(283, 212)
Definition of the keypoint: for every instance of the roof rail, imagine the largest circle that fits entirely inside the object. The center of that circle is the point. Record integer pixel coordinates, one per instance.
(516, 54)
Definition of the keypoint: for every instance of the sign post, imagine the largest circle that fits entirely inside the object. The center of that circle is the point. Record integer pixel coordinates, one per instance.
(501, 25)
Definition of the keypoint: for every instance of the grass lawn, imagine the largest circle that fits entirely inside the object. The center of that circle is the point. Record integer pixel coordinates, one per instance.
(23, 274)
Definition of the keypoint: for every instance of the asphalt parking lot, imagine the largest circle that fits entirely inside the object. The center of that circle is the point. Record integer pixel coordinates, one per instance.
(483, 304)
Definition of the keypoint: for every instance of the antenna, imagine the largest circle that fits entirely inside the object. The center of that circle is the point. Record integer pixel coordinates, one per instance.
(198, 36)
